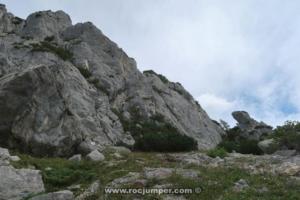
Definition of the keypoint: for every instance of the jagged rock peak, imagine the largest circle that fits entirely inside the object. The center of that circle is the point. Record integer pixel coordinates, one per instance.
(46, 23)
(243, 118)
(250, 128)
(2, 9)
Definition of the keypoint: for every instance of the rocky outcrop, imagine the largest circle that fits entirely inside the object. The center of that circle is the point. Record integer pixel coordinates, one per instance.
(254, 164)
(250, 128)
(16, 184)
(65, 88)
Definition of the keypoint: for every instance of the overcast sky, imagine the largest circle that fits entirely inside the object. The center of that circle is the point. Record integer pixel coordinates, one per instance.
(231, 55)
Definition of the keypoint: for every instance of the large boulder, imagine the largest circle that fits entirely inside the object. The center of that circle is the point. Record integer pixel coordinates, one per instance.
(268, 146)
(250, 128)
(17, 184)
(95, 156)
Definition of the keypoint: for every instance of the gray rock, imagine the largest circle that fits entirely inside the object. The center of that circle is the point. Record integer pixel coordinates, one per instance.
(288, 168)
(46, 24)
(76, 158)
(91, 190)
(95, 156)
(74, 187)
(158, 173)
(4, 154)
(130, 178)
(250, 128)
(294, 159)
(60, 195)
(117, 155)
(62, 115)
(163, 173)
(187, 173)
(120, 149)
(240, 185)
(15, 158)
(19, 183)
(50, 108)
(4, 157)
(268, 146)
(285, 153)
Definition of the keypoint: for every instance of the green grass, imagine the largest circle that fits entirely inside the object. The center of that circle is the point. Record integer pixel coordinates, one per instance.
(214, 182)
(160, 76)
(217, 152)
(63, 173)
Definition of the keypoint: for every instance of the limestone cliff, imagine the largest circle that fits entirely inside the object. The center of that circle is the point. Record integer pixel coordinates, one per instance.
(64, 88)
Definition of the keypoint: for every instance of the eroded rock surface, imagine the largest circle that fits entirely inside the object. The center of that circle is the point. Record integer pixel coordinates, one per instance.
(250, 128)
(64, 88)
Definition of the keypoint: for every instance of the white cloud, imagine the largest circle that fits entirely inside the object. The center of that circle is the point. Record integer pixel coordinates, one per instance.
(232, 55)
(218, 107)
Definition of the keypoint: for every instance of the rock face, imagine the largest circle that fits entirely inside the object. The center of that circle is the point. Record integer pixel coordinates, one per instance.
(250, 128)
(64, 89)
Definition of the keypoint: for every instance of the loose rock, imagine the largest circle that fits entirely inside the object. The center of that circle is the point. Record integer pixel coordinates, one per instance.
(95, 156)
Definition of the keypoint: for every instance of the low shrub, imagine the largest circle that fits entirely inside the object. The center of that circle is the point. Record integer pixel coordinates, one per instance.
(217, 152)
(288, 135)
(17, 20)
(165, 142)
(229, 146)
(46, 46)
(244, 146)
(233, 141)
(86, 73)
(49, 38)
(62, 173)
(160, 76)
(155, 134)
(249, 147)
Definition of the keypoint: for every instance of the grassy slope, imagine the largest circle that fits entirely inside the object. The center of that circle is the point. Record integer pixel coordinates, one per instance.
(216, 182)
